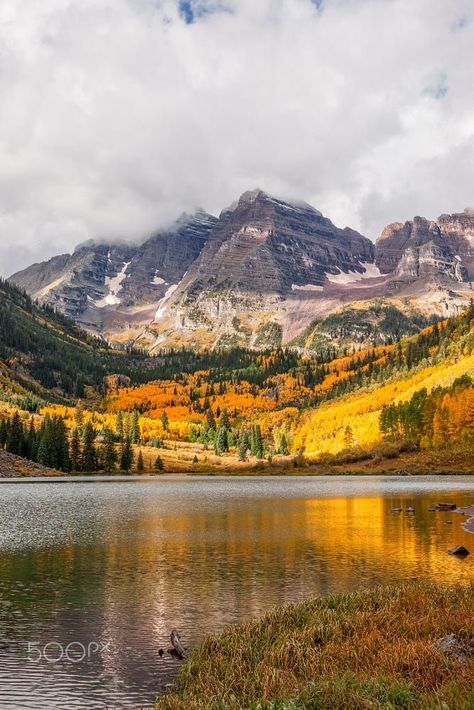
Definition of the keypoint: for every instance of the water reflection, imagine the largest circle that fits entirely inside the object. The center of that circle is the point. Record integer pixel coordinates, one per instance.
(120, 564)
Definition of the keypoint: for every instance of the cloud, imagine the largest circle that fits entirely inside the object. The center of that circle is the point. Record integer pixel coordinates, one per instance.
(118, 115)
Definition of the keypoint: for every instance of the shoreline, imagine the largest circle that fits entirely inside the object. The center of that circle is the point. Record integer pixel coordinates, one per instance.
(37, 472)
(305, 654)
(468, 525)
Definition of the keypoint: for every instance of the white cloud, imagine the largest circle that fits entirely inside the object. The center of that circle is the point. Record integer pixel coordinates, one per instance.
(117, 115)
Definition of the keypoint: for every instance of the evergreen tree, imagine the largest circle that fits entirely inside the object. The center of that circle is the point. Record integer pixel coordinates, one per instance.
(31, 442)
(3, 432)
(221, 444)
(242, 446)
(164, 420)
(283, 448)
(89, 453)
(126, 457)
(140, 462)
(159, 465)
(210, 421)
(76, 456)
(109, 452)
(256, 442)
(63, 462)
(79, 415)
(15, 435)
(224, 422)
(135, 427)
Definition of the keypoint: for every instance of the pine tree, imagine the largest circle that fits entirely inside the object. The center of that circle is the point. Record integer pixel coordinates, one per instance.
(256, 442)
(126, 457)
(31, 442)
(89, 453)
(159, 465)
(140, 462)
(76, 457)
(224, 422)
(164, 420)
(135, 429)
(109, 452)
(53, 447)
(221, 444)
(283, 448)
(63, 462)
(3, 432)
(242, 446)
(15, 435)
(210, 421)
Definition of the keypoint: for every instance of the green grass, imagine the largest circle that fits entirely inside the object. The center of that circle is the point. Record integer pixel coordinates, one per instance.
(345, 652)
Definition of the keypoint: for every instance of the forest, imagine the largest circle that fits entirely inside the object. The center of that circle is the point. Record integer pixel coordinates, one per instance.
(71, 402)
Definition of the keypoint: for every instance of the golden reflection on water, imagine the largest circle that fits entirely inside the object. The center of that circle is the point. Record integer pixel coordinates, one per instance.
(141, 566)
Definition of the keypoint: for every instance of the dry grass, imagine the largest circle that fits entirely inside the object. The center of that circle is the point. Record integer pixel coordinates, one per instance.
(350, 651)
(178, 457)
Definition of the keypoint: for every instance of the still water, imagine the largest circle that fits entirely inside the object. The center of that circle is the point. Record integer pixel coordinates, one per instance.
(106, 569)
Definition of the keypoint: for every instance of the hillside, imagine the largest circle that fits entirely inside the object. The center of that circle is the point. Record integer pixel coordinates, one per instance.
(44, 355)
(242, 410)
(235, 408)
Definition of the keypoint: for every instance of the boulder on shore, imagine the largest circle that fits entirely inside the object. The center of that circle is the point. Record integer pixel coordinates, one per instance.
(459, 551)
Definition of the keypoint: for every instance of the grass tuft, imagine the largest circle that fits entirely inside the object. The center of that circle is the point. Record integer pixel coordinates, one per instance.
(353, 651)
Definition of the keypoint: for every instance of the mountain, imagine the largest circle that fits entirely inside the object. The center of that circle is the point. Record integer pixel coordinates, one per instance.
(425, 248)
(265, 260)
(107, 287)
(265, 272)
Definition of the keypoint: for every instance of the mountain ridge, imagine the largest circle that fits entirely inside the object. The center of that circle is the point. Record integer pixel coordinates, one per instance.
(264, 266)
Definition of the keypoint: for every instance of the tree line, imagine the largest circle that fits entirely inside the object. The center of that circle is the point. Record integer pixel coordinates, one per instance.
(439, 418)
(81, 450)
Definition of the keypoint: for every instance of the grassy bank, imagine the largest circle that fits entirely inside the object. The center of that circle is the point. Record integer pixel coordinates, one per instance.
(353, 651)
(184, 457)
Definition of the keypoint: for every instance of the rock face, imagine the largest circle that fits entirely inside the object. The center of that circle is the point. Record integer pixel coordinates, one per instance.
(99, 280)
(265, 272)
(423, 248)
(265, 245)
(261, 253)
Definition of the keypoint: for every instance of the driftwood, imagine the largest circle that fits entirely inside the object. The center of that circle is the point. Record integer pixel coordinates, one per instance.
(178, 647)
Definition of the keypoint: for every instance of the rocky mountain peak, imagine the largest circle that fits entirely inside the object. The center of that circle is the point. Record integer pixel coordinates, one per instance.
(259, 273)
(425, 247)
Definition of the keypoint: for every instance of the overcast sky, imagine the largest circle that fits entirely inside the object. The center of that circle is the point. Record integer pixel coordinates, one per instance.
(118, 115)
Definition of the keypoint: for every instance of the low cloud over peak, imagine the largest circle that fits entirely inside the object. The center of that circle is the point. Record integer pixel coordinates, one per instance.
(119, 115)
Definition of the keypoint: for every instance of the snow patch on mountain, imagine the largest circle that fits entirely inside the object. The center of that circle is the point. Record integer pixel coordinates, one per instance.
(371, 272)
(162, 303)
(306, 287)
(113, 284)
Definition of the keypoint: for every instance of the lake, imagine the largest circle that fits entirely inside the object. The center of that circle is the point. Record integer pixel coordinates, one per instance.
(94, 574)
